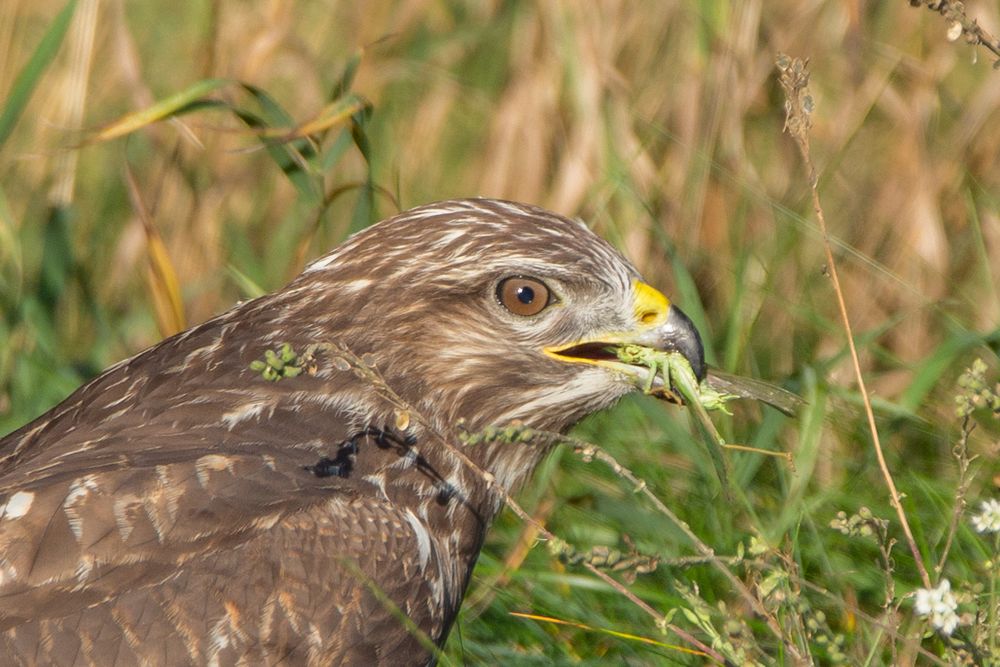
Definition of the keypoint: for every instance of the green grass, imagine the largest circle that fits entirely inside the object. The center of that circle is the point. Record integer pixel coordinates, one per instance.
(659, 123)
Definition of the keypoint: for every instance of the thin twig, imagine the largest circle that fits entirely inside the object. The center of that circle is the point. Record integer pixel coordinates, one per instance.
(590, 451)
(478, 601)
(961, 24)
(961, 454)
(794, 78)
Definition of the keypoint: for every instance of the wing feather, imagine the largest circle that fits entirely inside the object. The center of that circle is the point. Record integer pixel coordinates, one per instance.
(165, 514)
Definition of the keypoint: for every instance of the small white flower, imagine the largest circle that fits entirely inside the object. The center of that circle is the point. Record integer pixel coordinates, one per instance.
(988, 519)
(939, 605)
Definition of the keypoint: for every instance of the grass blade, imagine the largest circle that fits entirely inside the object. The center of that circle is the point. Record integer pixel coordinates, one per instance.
(190, 98)
(608, 631)
(32, 73)
(248, 287)
(163, 283)
(292, 157)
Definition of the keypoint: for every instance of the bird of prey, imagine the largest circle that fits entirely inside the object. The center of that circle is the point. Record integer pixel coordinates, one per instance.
(239, 495)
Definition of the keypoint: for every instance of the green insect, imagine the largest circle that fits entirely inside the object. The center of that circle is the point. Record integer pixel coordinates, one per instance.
(676, 374)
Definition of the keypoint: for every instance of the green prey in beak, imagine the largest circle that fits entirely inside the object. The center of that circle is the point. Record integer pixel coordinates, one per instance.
(663, 340)
(664, 357)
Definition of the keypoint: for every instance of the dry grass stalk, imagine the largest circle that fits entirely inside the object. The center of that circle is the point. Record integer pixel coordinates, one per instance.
(794, 78)
(961, 24)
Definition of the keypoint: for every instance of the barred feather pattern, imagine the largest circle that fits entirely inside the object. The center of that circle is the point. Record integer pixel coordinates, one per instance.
(169, 512)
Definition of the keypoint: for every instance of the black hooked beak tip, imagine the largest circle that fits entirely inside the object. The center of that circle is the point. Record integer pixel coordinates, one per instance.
(679, 333)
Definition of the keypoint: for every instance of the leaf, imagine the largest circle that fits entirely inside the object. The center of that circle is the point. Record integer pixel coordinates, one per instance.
(292, 157)
(337, 112)
(247, 285)
(162, 278)
(33, 70)
(364, 209)
(346, 79)
(164, 285)
(292, 146)
(189, 99)
(932, 368)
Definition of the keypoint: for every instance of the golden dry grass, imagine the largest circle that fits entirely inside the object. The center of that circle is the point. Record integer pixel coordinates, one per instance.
(655, 121)
(659, 122)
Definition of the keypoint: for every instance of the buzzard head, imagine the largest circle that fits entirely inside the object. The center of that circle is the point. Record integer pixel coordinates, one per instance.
(489, 312)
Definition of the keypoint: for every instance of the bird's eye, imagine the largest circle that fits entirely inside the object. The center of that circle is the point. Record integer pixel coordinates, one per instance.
(523, 296)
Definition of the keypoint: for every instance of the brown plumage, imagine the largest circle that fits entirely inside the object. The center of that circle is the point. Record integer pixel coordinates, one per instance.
(183, 509)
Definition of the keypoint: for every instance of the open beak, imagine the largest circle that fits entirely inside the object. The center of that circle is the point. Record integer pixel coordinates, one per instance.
(659, 326)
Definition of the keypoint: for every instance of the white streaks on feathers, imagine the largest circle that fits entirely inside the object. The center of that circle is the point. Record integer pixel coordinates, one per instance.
(129, 393)
(354, 407)
(17, 505)
(85, 566)
(316, 644)
(250, 410)
(218, 640)
(78, 492)
(378, 481)
(356, 285)
(8, 573)
(211, 463)
(454, 486)
(267, 521)
(122, 510)
(448, 237)
(407, 460)
(512, 468)
(423, 538)
(591, 386)
(206, 351)
(79, 489)
(286, 602)
(171, 492)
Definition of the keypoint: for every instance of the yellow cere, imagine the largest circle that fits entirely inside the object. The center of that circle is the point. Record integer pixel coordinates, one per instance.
(651, 307)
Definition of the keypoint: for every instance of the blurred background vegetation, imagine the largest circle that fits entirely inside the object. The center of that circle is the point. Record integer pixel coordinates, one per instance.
(660, 123)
